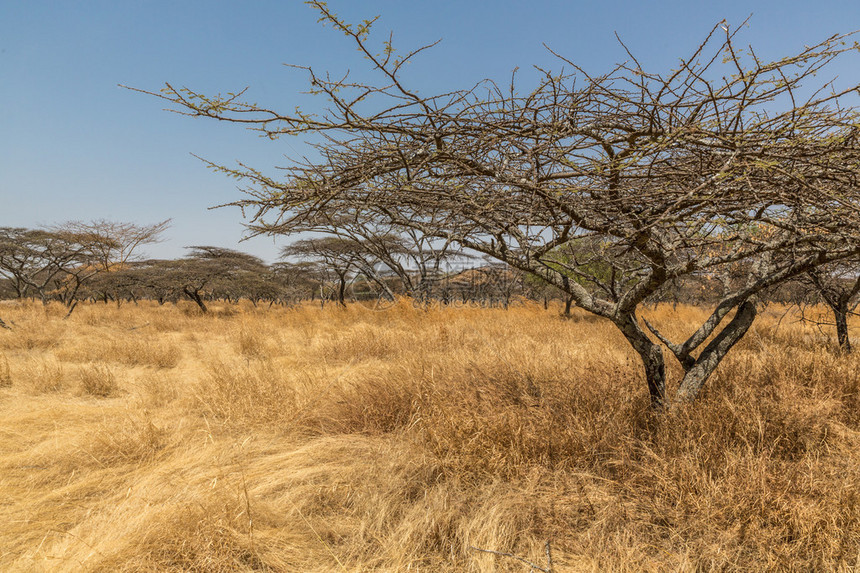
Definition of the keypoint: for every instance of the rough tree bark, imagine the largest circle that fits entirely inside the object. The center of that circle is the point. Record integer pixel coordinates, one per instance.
(651, 355)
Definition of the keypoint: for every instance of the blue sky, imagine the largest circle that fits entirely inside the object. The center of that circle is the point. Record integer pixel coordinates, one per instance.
(74, 145)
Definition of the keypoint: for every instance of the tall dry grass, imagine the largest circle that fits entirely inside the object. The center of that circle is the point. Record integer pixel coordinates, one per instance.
(152, 438)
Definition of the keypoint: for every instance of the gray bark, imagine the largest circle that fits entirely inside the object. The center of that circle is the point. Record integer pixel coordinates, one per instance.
(840, 314)
(651, 355)
(699, 370)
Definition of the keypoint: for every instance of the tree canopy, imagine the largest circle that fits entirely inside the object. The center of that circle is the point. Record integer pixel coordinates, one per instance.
(725, 162)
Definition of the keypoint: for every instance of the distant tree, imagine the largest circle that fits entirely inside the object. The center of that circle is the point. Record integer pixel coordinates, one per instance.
(499, 283)
(146, 279)
(212, 268)
(106, 246)
(114, 244)
(58, 261)
(301, 280)
(342, 257)
(14, 259)
(416, 259)
(48, 262)
(837, 286)
(206, 272)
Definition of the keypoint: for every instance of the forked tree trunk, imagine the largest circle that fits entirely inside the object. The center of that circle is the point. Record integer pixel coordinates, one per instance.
(652, 358)
(698, 371)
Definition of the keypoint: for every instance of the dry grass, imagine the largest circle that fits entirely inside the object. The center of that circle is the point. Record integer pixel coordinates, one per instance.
(156, 439)
(97, 380)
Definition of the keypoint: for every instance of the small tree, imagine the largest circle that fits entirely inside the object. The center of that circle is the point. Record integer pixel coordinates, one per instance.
(114, 244)
(211, 268)
(342, 257)
(837, 286)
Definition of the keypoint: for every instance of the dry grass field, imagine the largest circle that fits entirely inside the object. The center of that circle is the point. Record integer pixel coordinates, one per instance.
(149, 438)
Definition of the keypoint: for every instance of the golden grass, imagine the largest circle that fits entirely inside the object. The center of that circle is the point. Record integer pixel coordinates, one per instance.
(151, 438)
(97, 380)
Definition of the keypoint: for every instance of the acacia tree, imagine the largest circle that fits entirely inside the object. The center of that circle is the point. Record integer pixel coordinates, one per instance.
(301, 280)
(101, 247)
(416, 259)
(837, 285)
(47, 262)
(213, 269)
(342, 257)
(113, 245)
(15, 260)
(658, 168)
(64, 257)
(153, 279)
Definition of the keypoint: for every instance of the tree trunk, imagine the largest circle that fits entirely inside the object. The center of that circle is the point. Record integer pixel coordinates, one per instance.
(341, 292)
(652, 358)
(712, 355)
(569, 300)
(840, 313)
(72, 308)
(195, 296)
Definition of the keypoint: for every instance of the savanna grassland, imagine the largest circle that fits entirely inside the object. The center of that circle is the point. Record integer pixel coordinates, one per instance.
(148, 438)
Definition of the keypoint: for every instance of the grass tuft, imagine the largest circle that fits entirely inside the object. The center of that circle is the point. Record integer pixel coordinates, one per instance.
(97, 381)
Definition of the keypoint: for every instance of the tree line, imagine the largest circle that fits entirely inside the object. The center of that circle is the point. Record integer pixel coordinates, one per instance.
(99, 261)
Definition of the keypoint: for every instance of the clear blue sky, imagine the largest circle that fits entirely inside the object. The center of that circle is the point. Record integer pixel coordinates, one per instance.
(73, 145)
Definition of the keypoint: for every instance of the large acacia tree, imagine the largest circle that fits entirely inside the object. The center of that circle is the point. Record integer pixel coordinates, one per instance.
(726, 162)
